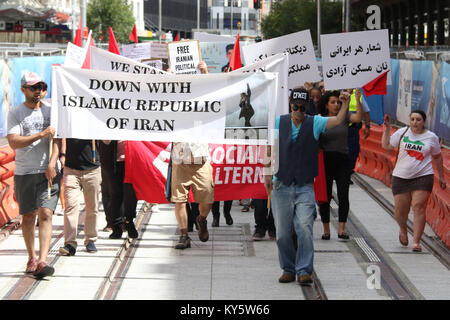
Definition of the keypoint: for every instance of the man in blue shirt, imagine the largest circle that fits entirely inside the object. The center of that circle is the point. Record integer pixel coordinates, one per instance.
(292, 192)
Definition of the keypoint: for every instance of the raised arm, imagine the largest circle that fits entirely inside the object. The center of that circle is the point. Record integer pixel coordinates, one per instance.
(385, 144)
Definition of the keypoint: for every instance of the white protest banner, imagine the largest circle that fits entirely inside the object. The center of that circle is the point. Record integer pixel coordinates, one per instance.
(405, 90)
(108, 61)
(302, 59)
(184, 56)
(92, 104)
(277, 63)
(353, 59)
(137, 51)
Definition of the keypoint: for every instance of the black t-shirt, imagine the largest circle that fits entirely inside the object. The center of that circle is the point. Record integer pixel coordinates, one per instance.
(79, 155)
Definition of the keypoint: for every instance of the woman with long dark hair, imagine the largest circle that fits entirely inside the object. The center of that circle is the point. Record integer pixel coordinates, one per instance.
(334, 143)
(413, 177)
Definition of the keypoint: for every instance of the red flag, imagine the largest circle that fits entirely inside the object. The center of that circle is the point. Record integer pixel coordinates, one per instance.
(320, 183)
(133, 35)
(235, 61)
(77, 39)
(146, 166)
(87, 60)
(377, 85)
(177, 37)
(113, 46)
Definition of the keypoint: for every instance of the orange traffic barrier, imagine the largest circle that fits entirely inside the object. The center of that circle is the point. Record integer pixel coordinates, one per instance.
(9, 208)
(378, 163)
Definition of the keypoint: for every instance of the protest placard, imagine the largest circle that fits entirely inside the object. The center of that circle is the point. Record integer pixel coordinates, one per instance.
(154, 63)
(108, 61)
(184, 56)
(158, 50)
(75, 55)
(302, 60)
(137, 51)
(353, 59)
(92, 104)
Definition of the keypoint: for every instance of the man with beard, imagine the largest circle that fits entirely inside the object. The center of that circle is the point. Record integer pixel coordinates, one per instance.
(36, 177)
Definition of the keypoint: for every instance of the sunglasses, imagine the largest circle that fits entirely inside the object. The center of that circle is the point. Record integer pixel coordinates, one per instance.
(39, 86)
(300, 107)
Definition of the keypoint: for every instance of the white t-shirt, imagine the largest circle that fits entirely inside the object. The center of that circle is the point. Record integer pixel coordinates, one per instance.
(416, 151)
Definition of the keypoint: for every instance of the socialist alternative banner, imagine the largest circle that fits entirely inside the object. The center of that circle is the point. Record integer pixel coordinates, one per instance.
(219, 108)
(237, 170)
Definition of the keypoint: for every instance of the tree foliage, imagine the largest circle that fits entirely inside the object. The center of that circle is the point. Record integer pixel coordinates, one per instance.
(290, 16)
(117, 14)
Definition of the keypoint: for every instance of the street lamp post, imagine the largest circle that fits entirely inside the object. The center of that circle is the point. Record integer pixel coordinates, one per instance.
(319, 25)
(231, 17)
(159, 20)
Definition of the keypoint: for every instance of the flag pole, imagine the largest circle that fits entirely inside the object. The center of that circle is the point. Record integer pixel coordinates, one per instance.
(49, 184)
(93, 151)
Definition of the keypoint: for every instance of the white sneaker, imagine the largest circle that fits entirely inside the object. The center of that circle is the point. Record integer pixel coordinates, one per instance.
(154, 208)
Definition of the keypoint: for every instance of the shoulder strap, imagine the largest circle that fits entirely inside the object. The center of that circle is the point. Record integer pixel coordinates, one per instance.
(399, 142)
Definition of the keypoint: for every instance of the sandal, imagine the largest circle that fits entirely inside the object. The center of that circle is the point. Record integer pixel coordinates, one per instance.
(326, 236)
(416, 247)
(402, 240)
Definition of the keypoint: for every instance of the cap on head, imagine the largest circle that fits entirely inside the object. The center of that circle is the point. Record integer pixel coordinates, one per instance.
(299, 95)
(30, 79)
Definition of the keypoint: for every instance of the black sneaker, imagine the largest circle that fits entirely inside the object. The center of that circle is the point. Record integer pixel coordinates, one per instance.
(259, 235)
(215, 222)
(228, 218)
(343, 236)
(117, 232)
(131, 229)
(90, 247)
(184, 242)
(202, 227)
(67, 250)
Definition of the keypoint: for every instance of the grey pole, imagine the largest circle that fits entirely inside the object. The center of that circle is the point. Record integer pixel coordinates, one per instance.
(231, 25)
(159, 20)
(347, 16)
(83, 20)
(198, 15)
(319, 25)
(343, 15)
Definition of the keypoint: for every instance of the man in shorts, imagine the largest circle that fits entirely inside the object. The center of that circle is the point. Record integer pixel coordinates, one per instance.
(191, 170)
(36, 177)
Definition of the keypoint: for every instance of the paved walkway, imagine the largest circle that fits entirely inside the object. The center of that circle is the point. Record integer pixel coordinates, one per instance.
(229, 266)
